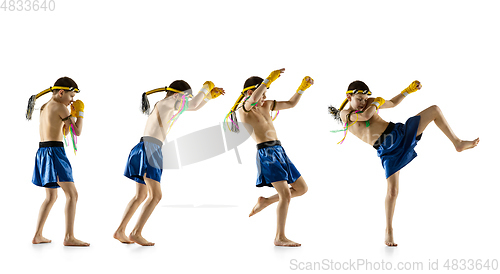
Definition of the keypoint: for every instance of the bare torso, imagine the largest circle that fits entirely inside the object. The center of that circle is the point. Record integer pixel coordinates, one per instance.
(51, 124)
(368, 134)
(260, 120)
(159, 119)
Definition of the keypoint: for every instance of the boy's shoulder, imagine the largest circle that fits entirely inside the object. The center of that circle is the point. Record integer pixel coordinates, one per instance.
(269, 103)
(165, 102)
(55, 108)
(165, 105)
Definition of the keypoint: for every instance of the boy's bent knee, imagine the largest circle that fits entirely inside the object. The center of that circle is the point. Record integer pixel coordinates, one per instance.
(51, 199)
(305, 188)
(51, 196)
(299, 191)
(286, 195)
(156, 197)
(140, 197)
(299, 186)
(435, 108)
(72, 194)
(392, 193)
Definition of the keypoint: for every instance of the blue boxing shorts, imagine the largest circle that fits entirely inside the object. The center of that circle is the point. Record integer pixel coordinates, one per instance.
(396, 145)
(273, 165)
(51, 163)
(145, 158)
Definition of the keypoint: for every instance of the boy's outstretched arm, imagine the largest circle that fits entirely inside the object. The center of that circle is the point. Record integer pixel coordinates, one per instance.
(255, 97)
(306, 83)
(191, 106)
(198, 99)
(214, 93)
(399, 98)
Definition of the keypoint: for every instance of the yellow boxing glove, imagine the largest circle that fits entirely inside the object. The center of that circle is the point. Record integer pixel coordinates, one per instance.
(411, 88)
(306, 83)
(216, 92)
(207, 87)
(77, 109)
(378, 102)
(272, 77)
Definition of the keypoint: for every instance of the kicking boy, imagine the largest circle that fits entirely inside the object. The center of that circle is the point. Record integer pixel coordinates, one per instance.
(274, 167)
(394, 143)
(52, 167)
(145, 162)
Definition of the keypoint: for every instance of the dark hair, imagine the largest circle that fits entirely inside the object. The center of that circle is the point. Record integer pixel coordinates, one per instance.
(359, 85)
(179, 85)
(65, 82)
(252, 81)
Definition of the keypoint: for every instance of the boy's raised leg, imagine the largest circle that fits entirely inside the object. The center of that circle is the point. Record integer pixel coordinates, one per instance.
(154, 189)
(140, 195)
(297, 188)
(390, 205)
(282, 210)
(43, 214)
(70, 210)
(433, 113)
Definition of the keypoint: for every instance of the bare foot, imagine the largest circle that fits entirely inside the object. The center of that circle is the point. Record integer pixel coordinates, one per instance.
(389, 238)
(74, 242)
(137, 238)
(261, 204)
(120, 236)
(285, 242)
(463, 145)
(39, 239)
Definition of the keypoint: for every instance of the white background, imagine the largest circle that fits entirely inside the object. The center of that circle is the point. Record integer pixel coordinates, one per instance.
(116, 50)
